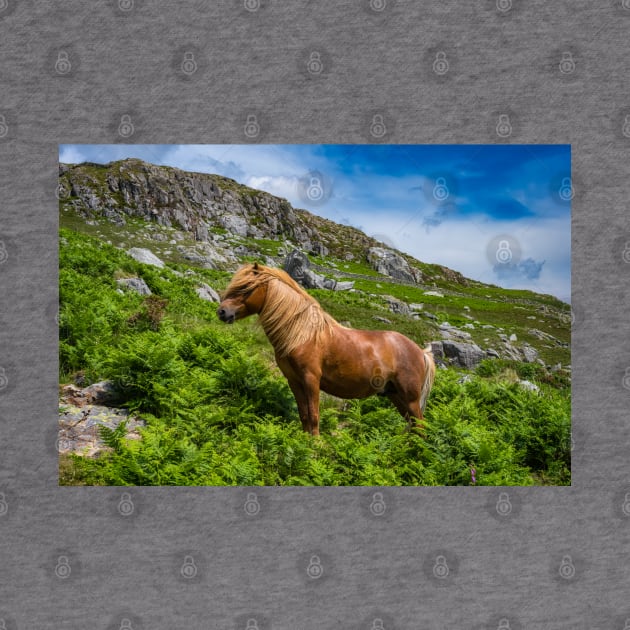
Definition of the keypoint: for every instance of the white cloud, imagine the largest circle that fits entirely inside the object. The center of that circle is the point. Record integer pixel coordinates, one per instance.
(258, 161)
(462, 245)
(71, 154)
(281, 186)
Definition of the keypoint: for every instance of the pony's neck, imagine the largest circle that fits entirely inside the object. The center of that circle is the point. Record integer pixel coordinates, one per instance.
(291, 319)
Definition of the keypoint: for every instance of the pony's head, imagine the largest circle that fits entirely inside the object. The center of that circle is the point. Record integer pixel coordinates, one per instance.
(289, 316)
(245, 295)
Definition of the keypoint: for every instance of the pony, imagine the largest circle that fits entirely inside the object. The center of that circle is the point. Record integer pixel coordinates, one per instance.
(315, 352)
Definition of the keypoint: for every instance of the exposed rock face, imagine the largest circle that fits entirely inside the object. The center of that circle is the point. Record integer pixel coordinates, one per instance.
(530, 355)
(510, 352)
(450, 332)
(135, 284)
(319, 249)
(458, 347)
(206, 292)
(465, 355)
(312, 280)
(297, 265)
(344, 285)
(542, 335)
(438, 351)
(235, 224)
(102, 393)
(84, 411)
(397, 306)
(145, 256)
(389, 263)
(193, 202)
(207, 255)
(79, 428)
(525, 353)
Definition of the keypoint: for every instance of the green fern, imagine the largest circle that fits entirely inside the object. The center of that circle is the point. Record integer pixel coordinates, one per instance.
(218, 412)
(114, 438)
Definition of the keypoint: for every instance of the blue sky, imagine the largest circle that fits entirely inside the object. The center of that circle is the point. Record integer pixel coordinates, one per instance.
(496, 213)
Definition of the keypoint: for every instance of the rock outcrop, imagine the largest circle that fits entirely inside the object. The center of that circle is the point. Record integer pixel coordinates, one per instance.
(397, 306)
(145, 256)
(451, 332)
(297, 265)
(464, 355)
(208, 255)
(389, 263)
(134, 284)
(207, 293)
(83, 411)
(530, 355)
(196, 203)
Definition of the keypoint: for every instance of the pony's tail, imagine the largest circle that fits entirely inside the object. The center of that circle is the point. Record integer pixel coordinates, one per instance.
(429, 376)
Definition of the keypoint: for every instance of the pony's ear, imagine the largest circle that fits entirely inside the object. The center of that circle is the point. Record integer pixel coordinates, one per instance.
(255, 267)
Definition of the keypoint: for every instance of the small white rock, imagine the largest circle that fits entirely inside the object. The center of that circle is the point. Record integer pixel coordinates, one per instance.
(529, 386)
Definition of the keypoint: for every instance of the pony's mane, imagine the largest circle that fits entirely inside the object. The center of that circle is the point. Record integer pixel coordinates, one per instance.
(290, 316)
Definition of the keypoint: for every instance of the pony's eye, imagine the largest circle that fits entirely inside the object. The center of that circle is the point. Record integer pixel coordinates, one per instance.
(243, 293)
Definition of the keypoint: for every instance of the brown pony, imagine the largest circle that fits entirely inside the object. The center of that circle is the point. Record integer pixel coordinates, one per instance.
(315, 352)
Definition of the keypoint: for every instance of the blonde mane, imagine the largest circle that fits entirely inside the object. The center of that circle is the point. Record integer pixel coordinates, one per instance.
(290, 317)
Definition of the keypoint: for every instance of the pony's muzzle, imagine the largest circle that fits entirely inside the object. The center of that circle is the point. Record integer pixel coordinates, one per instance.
(226, 315)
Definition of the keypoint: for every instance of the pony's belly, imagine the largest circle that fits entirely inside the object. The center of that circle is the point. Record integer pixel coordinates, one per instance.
(358, 365)
(348, 388)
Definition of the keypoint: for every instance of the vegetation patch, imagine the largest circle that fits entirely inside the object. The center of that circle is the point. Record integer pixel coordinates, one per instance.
(218, 411)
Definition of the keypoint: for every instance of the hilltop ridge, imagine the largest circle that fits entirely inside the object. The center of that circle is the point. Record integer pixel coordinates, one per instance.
(200, 203)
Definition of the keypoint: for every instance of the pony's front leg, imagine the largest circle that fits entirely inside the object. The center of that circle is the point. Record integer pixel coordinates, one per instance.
(302, 403)
(311, 390)
(304, 383)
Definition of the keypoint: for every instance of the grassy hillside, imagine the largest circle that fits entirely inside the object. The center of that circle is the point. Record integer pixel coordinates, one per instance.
(218, 411)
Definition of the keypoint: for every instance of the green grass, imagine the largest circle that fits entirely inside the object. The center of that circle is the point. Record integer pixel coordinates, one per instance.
(359, 311)
(218, 411)
(348, 266)
(501, 310)
(266, 245)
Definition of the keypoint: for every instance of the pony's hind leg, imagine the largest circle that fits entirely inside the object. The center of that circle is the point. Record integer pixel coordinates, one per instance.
(415, 417)
(409, 409)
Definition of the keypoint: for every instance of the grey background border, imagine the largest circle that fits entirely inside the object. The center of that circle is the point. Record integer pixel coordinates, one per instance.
(558, 558)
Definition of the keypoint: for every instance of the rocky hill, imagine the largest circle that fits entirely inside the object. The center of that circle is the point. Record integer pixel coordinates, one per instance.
(209, 209)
